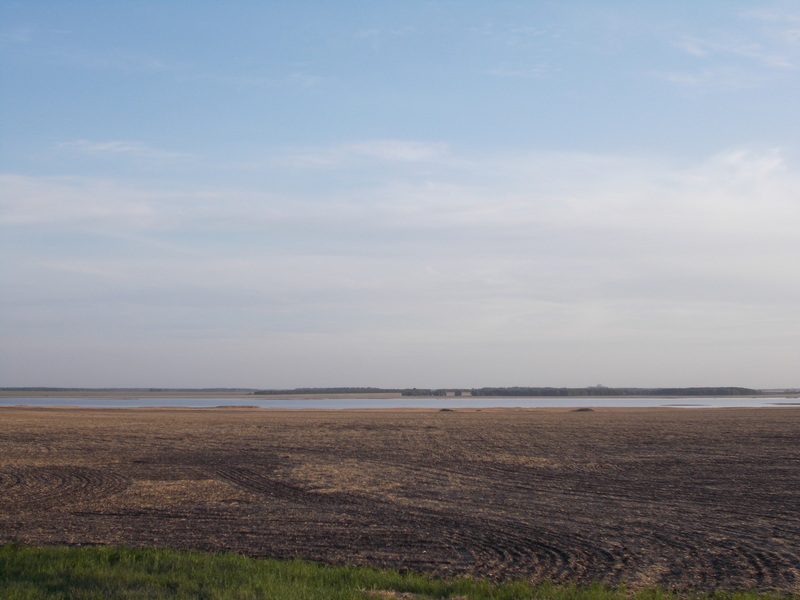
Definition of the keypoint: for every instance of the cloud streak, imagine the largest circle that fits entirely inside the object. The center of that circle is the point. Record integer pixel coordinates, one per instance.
(513, 254)
(545, 234)
(112, 148)
(782, 58)
(358, 153)
(500, 195)
(39, 201)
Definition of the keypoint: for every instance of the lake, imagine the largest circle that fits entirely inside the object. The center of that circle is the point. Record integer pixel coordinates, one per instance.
(407, 402)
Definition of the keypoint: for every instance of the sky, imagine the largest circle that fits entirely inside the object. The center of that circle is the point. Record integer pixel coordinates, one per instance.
(409, 193)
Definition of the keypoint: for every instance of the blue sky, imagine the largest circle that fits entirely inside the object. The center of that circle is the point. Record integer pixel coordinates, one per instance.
(284, 194)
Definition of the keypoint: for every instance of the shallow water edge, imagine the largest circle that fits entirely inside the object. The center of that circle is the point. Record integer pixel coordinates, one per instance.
(402, 403)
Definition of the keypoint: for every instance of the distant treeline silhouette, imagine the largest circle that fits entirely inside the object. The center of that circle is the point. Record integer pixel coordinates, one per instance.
(126, 389)
(523, 391)
(598, 390)
(359, 390)
(608, 391)
(331, 390)
(424, 392)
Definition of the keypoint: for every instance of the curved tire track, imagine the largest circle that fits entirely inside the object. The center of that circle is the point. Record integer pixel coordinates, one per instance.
(51, 487)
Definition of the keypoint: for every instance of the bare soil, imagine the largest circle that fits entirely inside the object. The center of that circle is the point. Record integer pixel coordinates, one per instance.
(699, 499)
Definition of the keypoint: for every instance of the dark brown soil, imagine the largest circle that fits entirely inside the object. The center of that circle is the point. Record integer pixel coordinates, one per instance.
(682, 498)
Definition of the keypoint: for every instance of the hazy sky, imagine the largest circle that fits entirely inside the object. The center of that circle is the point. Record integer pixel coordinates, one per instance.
(399, 193)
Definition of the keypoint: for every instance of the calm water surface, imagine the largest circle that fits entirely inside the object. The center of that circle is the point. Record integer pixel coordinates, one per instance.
(411, 402)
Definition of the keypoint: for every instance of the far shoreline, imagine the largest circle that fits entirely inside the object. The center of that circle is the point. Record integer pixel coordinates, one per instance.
(132, 394)
(241, 410)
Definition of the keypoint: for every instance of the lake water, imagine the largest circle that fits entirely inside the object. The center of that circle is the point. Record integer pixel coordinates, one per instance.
(406, 402)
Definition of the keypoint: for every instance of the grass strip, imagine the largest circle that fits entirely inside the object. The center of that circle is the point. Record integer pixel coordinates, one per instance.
(109, 573)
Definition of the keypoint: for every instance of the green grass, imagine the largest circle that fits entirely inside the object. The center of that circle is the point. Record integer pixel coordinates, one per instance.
(123, 573)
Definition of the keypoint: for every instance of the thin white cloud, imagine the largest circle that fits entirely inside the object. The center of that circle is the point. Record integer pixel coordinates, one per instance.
(723, 78)
(505, 193)
(123, 61)
(524, 253)
(517, 35)
(526, 73)
(58, 200)
(395, 150)
(123, 209)
(348, 155)
(505, 198)
(764, 51)
(375, 33)
(764, 46)
(291, 76)
(17, 35)
(119, 148)
(693, 47)
(293, 79)
(780, 23)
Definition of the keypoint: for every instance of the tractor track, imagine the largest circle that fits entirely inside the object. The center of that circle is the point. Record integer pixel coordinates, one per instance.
(55, 487)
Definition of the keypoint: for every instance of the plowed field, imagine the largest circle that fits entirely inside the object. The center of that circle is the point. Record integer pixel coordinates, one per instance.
(682, 498)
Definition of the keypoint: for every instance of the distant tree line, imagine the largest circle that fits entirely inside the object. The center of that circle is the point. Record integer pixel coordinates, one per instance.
(329, 390)
(423, 392)
(524, 391)
(598, 390)
(608, 391)
(357, 390)
(124, 389)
